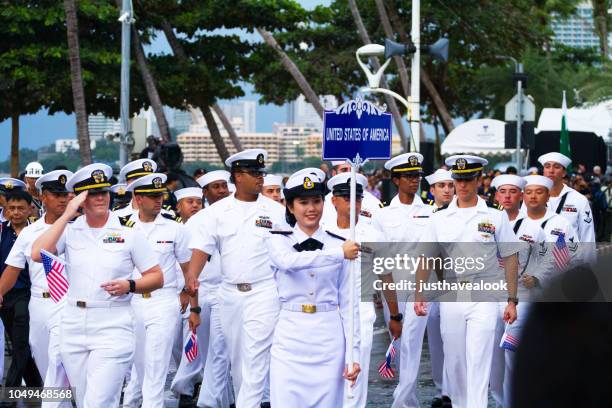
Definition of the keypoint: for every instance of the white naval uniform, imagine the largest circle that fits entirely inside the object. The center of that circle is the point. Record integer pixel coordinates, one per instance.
(214, 359)
(364, 232)
(370, 205)
(97, 338)
(248, 297)
(45, 314)
(407, 223)
(535, 260)
(310, 350)
(156, 312)
(468, 328)
(577, 211)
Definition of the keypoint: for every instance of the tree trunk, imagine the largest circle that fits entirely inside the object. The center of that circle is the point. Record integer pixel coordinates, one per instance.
(215, 135)
(149, 83)
(15, 145)
(401, 67)
(600, 18)
(295, 72)
(181, 55)
(445, 118)
(397, 117)
(228, 126)
(76, 75)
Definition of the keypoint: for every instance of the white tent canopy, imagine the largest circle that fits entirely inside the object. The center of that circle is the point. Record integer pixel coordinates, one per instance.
(596, 119)
(479, 136)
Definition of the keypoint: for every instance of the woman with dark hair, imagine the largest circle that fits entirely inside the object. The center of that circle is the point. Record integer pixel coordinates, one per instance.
(310, 344)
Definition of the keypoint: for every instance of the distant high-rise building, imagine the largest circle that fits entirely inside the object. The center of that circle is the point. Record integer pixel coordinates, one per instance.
(302, 114)
(579, 29)
(98, 125)
(182, 121)
(244, 110)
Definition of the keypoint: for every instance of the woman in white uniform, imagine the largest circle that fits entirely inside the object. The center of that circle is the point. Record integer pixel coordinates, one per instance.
(310, 345)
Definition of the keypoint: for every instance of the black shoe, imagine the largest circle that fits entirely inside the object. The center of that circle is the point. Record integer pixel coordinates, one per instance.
(437, 403)
(265, 404)
(186, 401)
(446, 402)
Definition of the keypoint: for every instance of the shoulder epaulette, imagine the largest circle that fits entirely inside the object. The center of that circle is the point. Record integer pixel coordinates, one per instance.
(126, 222)
(168, 207)
(444, 207)
(381, 204)
(172, 217)
(336, 236)
(281, 232)
(496, 206)
(120, 206)
(431, 202)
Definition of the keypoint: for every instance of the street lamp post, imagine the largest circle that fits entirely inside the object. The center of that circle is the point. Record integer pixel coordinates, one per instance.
(438, 50)
(126, 141)
(519, 76)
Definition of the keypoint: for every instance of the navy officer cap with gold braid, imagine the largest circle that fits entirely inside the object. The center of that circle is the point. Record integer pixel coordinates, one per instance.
(153, 184)
(94, 177)
(136, 169)
(304, 183)
(407, 163)
(465, 166)
(248, 159)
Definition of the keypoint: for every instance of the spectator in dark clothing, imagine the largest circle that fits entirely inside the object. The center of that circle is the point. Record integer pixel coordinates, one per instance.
(199, 172)
(511, 170)
(14, 312)
(149, 151)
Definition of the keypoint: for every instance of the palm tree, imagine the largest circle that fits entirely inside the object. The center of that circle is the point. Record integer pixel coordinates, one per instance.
(602, 19)
(76, 75)
(295, 72)
(15, 145)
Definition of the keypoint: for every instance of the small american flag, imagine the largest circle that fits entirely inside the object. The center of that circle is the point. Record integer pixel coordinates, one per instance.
(385, 369)
(561, 253)
(54, 270)
(191, 347)
(508, 342)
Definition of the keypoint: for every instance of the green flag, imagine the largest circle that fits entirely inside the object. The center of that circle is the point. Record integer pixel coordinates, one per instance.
(564, 144)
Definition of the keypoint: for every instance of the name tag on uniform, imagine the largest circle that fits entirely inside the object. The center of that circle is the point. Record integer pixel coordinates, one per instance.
(113, 238)
(486, 227)
(420, 216)
(263, 222)
(570, 208)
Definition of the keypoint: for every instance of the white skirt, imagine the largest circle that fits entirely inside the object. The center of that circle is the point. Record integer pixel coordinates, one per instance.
(307, 360)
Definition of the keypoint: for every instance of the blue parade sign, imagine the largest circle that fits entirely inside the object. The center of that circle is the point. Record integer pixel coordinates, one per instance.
(357, 128)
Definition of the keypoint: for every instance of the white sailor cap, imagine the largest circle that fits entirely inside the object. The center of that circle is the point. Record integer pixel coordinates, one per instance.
(313, 171)
(338, 162)
(34, 170)
(438, 176)
(91, 177)
(215, 175)
(465, 166)
(504, 179)
(136, 169)
(532, 170)
(273, 180)
(340, 184)
(250, 158)
(186, 192)
(54, 181)
(153, 184)
(407, 163)
(120, 190)
(555, 157)
(305, 183)
(8, 184)
(536, 180)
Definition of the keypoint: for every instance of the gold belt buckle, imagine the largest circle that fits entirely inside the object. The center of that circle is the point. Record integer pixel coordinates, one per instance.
(46, 295)
(81, 303)
(309, 308)
(146, 295)
(244, 287)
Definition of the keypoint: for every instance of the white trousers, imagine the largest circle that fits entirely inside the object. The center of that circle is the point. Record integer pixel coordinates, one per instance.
(468, 331)
(45, 320)
(436, 351)
(189, 374)
(154, 317)
(367, 316)
(248, 320)
(97, 347)
(216, 390)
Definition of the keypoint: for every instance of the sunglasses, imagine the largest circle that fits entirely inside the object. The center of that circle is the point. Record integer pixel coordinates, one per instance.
(255, 173)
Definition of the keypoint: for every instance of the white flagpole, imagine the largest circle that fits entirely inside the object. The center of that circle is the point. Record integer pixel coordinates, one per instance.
(353, 198)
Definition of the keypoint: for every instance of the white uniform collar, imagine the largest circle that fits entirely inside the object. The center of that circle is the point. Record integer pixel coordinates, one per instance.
(481, 205)
(112, 222)
(417, 202)
(301, 236)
